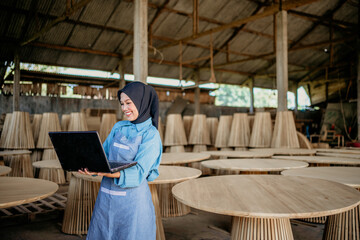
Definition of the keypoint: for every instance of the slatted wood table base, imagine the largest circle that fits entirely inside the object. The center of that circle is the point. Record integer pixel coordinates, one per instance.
(169, 206)
(321, 220)
(199, 148)
(21, 166)
(197, 165)
(160, 234)
(79, 207)
(53, 174)
(261, 229)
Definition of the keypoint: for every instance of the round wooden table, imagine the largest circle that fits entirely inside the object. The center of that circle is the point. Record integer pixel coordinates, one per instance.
(338, 150)
(19, 190)
(4, 170)
(262, 205)
(341, 155)
(344, 225)
(50, 170)
(285, 151)
(239, 154)
(19, 161)
(83, 190)
(322, 160)
(164, 202)
(188, 159)
(251, 166)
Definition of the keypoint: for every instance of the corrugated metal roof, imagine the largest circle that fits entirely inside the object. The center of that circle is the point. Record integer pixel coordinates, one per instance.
(105, 28)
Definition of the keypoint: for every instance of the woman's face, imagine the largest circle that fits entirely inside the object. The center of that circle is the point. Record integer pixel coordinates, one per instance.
(128, 107)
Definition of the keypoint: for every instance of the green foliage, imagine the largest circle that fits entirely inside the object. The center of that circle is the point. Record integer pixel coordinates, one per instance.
(234, 96)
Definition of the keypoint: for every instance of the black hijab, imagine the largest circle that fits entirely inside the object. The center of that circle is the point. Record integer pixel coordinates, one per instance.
(145, 99)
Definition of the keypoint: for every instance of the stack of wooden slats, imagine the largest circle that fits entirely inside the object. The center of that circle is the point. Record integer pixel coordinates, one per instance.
(175, 137)
(199, 134)
(262, 131)
(50, 123)
(5, 129)
(284, 135)
(65, 120)
(213, 124)
(187, 120)
(223, 132)
(240, 132)
(108, 121)
(77, 122)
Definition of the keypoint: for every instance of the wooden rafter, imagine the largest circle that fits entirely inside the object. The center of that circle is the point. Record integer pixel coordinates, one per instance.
(65, 15)
(159, 10)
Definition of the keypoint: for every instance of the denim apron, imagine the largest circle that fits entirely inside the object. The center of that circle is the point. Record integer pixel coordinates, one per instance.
(123, 213)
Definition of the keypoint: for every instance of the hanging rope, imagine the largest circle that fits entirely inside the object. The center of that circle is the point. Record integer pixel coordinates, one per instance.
(212, 76)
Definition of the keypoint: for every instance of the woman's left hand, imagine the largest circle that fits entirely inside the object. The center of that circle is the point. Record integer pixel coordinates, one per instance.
(109, 175)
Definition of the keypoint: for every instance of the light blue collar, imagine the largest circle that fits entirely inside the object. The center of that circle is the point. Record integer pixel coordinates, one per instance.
(143, 125)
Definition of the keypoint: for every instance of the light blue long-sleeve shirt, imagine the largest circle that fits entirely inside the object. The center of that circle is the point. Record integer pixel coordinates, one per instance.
(148, 156)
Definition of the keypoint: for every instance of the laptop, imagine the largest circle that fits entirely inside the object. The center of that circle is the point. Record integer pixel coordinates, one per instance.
(80, 150)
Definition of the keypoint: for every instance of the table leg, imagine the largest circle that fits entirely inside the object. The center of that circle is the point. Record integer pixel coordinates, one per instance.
(244, 228)
(160, 234)
(21, 166)
(345, 225)
(80, 204)
(169, 206)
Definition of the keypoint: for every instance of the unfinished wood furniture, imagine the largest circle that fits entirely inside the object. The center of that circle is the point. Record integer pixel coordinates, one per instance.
(212, 124)
(50, 123)
(303, 141)
(65, 120)
(49, 154)
(50, 170)
(261, 133)
(36, 125)
(284, 135)
(239, 154)
(4, 170)
(83, 190)
(337, 150)
(262, 205)
(169, 176)
(199, 133)
(19, 161)
(5, 130)
(17, 190)
(77, 122)
(240, 131)
(186, 159)
(343, 225)
(93, 123)
(341, 155)
(187, 120)
(285, 151)
(175, 137)
(19, 134)
(108, 121)
(161, 129)
(315, 161)
(330, 137)
(251, 166)
(223, 132)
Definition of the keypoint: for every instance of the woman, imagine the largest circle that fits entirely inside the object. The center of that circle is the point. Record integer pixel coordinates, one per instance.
(124, 208)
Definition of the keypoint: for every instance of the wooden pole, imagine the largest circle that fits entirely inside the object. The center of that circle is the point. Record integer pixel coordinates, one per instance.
(140, 61)
(197, 92)
(251, 110)
(281, 59)
(16, 97)
(296, 97)
(358, 85)
(121, 81)
(195, 17)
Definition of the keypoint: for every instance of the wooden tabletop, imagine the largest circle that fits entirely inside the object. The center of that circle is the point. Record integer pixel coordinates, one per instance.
(240, 154)
(4, 170)
(19, 190)
(322, 159)
(342, 155)
(13, 152)
(253, 164)
(182, 158)
(267, 196)
(47, 164)
(337, 150)
(87, 177)
(285, 151)
(346, 175)
(175, 174)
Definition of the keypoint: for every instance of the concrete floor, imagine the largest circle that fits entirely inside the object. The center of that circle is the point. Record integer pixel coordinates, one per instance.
(197, 225)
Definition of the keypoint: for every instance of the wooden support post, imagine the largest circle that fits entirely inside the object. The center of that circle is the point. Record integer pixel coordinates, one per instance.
(358, 84)
(197, 92)
(16, 85)
(195, 17)
(327, 92)
(140, 61)
(296, 97)
(121, 82)
(281, 59)
(251, 110)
